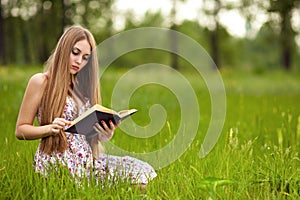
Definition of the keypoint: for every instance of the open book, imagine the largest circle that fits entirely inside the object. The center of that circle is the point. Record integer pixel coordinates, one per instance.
(84, 123)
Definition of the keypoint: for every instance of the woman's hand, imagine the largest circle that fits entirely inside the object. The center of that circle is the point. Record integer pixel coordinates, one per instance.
(57, 125)
(106, 132)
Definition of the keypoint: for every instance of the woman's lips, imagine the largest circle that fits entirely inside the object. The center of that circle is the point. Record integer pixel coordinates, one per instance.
(75, 68)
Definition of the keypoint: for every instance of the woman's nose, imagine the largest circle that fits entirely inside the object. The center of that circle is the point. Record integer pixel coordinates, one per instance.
(79, 60)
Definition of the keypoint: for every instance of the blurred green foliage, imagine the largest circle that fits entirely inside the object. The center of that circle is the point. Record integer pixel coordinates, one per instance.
(30, 29)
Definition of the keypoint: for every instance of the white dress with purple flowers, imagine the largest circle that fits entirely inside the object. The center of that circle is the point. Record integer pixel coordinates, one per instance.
(79, 160)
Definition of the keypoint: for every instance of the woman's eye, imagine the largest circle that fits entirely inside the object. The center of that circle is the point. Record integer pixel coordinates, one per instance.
(86, 58)
(75, 52)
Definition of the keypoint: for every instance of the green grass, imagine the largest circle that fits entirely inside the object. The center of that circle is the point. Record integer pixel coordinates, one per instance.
(256, 157)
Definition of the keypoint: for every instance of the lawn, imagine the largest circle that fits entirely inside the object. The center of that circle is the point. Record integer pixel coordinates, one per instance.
(255, 157)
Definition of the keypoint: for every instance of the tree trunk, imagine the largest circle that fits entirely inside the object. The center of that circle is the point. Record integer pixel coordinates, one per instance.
(174, 48)
(214, 34)
(215, 49)
(286, 38)
(173, 38)
(64, 16)
(3, 60)
(25, 40)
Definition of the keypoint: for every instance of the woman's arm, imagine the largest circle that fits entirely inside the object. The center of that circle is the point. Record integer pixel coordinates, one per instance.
(29, 107)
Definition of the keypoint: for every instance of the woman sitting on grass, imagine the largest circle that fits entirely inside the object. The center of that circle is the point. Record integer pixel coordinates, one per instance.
(68, 87)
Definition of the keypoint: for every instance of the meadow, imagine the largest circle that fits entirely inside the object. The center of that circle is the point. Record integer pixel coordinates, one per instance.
(256, 156)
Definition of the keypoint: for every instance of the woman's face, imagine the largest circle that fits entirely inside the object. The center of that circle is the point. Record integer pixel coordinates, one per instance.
(79, 56)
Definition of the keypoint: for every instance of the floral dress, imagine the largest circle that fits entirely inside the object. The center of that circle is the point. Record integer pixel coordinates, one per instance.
(78, 158)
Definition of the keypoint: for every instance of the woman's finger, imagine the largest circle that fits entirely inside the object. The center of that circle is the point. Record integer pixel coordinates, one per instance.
(98, 128)
(104, 125)
(61, 122)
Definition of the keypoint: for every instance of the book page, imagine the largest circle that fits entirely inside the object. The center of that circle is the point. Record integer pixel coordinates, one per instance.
(104, 109)
(126, 113)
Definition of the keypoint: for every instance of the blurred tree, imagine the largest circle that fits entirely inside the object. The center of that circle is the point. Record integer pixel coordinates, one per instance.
(212, 11)
(262, 49)
(173, 39)
(66, 12)
(12, 32)
(2, 39)
(252, 10)
(195, 31)
(33, 27)
(50, 27)
(142, 56)
(96, 15)
(29, 29)
(287, 34)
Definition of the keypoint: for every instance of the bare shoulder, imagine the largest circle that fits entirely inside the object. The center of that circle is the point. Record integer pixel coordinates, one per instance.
(37, 84)
(38, 80)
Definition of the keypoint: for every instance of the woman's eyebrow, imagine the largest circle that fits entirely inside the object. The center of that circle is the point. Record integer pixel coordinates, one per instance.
(77, 48)
(88, 54)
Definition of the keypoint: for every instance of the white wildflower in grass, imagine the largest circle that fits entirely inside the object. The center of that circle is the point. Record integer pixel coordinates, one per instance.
(280, 138)
(233, 139)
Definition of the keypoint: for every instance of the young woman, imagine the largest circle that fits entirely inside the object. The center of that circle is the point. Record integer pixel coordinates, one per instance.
(68, 87)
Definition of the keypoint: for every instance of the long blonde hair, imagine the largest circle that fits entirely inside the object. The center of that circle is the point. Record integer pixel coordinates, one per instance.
(58, 84)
